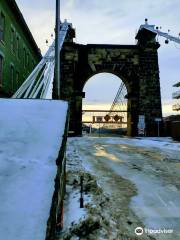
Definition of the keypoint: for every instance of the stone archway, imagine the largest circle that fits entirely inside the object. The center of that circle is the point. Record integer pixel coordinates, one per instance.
(129, 118)
(100, 92)
(135, 65)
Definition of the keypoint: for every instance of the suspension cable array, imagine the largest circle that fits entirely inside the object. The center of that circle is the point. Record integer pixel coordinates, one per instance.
(119, 103)
(159, 33)
(39, 84)
(119, 98)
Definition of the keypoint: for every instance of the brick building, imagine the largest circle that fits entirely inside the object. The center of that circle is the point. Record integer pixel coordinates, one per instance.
(18, 50)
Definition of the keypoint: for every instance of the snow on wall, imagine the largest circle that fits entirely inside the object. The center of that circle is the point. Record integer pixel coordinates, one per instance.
(30, 138)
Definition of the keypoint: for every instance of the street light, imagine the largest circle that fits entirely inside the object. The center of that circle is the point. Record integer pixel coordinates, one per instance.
(57, 53)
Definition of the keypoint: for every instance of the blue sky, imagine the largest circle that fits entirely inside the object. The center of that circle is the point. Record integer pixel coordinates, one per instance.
(113, 22)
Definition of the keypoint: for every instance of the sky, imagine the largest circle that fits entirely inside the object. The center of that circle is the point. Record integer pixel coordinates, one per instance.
(111, 22)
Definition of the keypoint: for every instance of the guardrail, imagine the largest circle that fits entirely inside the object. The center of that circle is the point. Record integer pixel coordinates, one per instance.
(55, 221)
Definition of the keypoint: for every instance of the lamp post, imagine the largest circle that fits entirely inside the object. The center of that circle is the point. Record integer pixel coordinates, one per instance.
(57, 53)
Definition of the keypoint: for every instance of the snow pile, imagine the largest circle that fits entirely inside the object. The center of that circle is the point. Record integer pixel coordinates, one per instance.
(164, 143)
(30, 138)
(73, 213)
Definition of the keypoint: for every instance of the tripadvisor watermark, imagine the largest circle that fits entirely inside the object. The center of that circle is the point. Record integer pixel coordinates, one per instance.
(140, 231)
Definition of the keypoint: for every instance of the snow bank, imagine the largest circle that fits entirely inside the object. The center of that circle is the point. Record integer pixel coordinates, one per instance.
(165, 143)
(30, 138)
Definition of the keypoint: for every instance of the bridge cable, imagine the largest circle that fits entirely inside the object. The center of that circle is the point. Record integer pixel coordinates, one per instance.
(39, 83)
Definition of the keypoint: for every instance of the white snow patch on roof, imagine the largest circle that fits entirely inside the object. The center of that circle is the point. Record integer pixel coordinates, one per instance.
(30, 139)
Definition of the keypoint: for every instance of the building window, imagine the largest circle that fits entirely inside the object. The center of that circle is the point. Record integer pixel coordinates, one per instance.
(27, 63)
(13, 40)
(18, 47)
(12, 77)
(24, 58)
(1, 70)
(17, 79)
(2, 26)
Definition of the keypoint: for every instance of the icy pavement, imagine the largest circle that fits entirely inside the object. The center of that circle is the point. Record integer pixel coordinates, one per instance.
(30, 139)
(141, 177)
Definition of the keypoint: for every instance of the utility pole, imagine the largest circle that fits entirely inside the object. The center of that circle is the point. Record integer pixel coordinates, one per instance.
(57, 53)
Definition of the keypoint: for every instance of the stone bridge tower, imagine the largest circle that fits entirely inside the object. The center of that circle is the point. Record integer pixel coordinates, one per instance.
(136, 65)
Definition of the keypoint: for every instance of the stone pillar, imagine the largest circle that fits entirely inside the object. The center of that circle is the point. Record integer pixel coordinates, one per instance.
(132, 115)
(149, 84)
(69, 59)
(78, 116)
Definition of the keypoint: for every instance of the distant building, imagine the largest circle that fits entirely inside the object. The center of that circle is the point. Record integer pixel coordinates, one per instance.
(176, 95)
(18, 50)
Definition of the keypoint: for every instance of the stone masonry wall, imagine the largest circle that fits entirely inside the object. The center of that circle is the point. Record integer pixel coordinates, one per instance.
(136, 65)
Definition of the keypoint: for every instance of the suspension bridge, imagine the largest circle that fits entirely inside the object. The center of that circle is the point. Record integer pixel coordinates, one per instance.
(136, 64)
(40, 83)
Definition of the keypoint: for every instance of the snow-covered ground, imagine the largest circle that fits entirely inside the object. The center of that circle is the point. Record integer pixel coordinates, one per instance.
(141, 178)
(30, 139)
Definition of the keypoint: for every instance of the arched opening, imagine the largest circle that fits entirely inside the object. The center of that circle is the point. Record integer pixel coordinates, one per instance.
(105, 105)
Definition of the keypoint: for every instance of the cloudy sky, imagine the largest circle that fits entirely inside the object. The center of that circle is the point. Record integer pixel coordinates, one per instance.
(113, 22)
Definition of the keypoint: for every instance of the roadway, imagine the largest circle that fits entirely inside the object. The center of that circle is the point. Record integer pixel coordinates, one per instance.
(141, 179)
